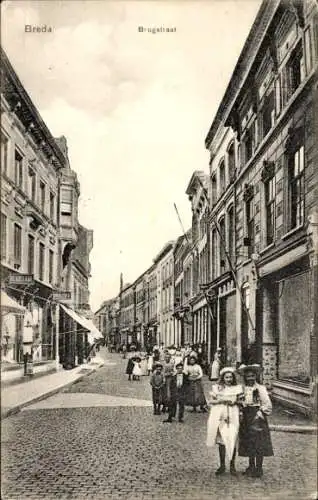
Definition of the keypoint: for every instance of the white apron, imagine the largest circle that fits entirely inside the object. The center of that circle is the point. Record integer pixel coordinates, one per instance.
(224, 419)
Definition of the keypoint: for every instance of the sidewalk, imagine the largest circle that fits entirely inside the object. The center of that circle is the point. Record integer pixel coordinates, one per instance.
(16, 375)
(13, 398)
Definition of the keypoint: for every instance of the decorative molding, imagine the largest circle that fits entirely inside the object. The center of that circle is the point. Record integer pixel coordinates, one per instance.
(268, 170)
(248, 192)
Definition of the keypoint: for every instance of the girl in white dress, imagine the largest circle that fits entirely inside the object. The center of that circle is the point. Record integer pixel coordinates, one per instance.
(137, 371)
(223, 423)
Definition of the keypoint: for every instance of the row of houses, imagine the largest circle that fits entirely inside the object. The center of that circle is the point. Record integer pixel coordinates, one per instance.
(44, 249)
(244, 277)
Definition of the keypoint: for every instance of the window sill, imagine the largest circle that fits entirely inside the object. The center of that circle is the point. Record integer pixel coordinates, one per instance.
(291, 232)
(267, 248)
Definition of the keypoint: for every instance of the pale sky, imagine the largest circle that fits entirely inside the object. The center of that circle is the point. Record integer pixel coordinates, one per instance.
(135, 109)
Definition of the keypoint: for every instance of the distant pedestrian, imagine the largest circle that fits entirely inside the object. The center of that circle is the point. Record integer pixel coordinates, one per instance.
(150, 363)
(195, 393)
(124, 351)
(168, 372)
(224, 421)
(157, 383)
(130, 363)
(216, 366)
(176, 401)
(255, 440)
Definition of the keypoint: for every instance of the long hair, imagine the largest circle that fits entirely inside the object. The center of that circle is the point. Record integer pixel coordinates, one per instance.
(221, 378)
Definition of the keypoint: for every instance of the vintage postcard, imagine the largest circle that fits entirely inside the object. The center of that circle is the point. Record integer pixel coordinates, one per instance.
(159, 249)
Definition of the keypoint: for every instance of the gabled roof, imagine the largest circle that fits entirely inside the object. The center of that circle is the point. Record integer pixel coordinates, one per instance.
(198, 179)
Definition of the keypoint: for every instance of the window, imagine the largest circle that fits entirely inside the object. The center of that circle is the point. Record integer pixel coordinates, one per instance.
(51, 261)
(308, 50)
(3, 236)
(231, 162)
(249, 143)
(214, 191)
(17, 245)
(4, 153)
(230, 218)
(250, 226)
(222, 177)
(222, 245)
(270, 209)
(52, 206)
(18, 169)
(66, 201)
(32, 185)
(296, 187)
(42, 196)
(30, 254)
(41, 262)
(293, 74)
(268, 111)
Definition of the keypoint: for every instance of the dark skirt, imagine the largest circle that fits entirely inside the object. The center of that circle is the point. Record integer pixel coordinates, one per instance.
(157, 395)
(166, 391)
(254, 436)
(195, 394)
(130, 367)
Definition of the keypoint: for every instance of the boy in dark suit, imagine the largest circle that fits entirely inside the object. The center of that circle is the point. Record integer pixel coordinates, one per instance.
(157, 382)
(177, 395)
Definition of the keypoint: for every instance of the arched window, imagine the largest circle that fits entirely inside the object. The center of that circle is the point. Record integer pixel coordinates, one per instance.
(231, 162)
(222, 177)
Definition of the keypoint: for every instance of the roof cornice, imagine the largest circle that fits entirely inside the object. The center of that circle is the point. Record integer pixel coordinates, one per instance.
(10, 77)
(242, 68)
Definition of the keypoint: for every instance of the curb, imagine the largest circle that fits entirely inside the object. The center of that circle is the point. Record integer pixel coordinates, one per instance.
(16, 409)
(300, 429)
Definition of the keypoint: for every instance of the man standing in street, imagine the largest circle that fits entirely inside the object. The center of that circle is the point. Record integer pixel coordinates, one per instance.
(176, 400)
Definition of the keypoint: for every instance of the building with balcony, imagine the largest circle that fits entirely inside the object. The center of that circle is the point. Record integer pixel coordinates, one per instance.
(31, 162)
(271, 105)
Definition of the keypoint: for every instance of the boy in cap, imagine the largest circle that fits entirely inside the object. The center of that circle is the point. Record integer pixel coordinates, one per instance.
(157, 382)
(176, 400)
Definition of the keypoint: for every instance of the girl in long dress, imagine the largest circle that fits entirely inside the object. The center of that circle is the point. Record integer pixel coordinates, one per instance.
(195, 394)
(255, 439)
(224, 419)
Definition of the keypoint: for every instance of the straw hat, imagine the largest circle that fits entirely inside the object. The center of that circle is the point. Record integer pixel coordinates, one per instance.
(249, 368)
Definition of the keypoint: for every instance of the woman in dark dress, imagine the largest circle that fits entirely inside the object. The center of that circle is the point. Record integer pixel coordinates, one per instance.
(254, 436)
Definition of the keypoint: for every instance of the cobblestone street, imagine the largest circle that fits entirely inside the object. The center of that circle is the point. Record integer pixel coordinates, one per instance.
(110, 445)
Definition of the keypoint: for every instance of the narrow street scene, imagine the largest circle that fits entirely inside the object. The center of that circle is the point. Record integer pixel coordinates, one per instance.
(99, 439)
(159, 249)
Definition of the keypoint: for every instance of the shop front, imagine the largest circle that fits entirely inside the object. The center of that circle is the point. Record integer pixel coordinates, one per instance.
(287, 319)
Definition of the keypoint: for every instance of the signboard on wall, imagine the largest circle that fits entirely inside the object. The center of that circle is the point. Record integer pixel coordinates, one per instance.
(20, 279)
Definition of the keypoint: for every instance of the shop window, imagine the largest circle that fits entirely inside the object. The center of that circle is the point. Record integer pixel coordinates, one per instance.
(17, 246)
(296, 188)
(4, 236)
(41, 261)
(270, 209)
(30, 254)
(18, 169)
(32, 185)
(4, 153)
